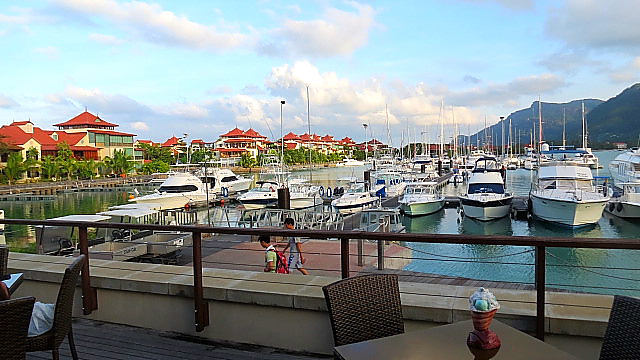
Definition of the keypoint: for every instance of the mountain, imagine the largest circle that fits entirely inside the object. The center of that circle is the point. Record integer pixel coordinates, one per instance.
(607, 122)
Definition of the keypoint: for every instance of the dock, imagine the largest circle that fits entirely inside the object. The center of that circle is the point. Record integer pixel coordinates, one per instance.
(54, 187)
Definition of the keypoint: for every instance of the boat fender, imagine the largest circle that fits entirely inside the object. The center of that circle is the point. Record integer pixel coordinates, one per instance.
(611, 207)
(225, 191)
(619, 207)
(328, 191)
(272, 189)
(187, 206)
(321, 190)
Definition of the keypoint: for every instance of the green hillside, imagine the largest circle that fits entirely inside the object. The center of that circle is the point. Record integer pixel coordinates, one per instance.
(618, 119)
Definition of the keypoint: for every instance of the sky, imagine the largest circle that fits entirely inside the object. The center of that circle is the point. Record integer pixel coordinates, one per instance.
(201, 68)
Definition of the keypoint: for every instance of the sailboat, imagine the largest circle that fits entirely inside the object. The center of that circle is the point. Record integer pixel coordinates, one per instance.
(588, 157)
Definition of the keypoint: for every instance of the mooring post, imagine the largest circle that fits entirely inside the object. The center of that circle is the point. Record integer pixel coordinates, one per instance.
(344, 257)
(89, 294)
(540, 289)
(201, 306)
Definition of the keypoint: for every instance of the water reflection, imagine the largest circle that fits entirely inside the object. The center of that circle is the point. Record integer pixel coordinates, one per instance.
(496, 227)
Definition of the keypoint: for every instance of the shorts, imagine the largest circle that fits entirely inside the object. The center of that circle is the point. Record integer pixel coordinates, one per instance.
(294, 262)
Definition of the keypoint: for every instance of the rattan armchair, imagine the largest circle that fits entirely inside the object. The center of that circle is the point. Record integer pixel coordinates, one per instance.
(52, 339)
(14, 325)
(364, 308)
(622, 337)
(4, 260)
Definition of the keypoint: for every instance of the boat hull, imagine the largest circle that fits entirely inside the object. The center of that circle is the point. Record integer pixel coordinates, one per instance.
(422, 208)
(353, 208)
(174, 201)
(486, 210)
(624, 209)
(567, 212)
(305, 202)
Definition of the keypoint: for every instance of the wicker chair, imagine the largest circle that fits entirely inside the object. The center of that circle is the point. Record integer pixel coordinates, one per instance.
(14, 325)
(52, 339)
(4, 259)
(622, 339)
(364, 308)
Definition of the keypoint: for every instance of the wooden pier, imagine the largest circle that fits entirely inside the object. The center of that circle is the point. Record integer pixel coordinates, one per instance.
(52, 188)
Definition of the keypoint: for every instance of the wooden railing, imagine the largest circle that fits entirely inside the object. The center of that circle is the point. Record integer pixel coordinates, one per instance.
(201, 309)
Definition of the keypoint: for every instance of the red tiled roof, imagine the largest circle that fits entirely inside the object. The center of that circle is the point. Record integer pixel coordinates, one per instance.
(75, 148)
(86, 118)
(234, 132)
(239, 140)
(230, 150)
(328, 138)
(170, 142)
(146, 142)
(347, 140)
(197, 141)
(21, 122)
(291, 146)
(291, 136)
(253, 133)
(110, 132)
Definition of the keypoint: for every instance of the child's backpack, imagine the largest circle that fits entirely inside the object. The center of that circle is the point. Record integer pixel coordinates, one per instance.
(282, 266)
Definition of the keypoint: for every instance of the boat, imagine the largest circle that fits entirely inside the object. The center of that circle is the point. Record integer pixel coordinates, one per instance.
(381, 220)
(60, 239)
(421, 198)
(486, 198)
(564, 193)
(388, 183)
(356, 198)
(625, 168)
(177, 191)
(350, 162)
(627, 203)
(264, 194)
(303, 195)
(223, 181)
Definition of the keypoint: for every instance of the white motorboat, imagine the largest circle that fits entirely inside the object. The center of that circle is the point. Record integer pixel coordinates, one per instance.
(177, 191)
(486, 198)
(264, 194)
(381, 220)
(564, 193)
(625, 168)
(421, 198)
(350, 162)
(388, 183)
(356, 198)
(303, 195)
(627, 204)
(224, 182)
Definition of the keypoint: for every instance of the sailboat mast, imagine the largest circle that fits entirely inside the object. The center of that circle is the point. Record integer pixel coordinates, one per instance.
(309, 126)
(539, 125)
(584, 129)
(564, 128)
(442, 129)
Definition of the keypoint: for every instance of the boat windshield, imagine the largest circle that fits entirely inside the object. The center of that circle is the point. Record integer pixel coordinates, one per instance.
(419, 190)
(486, 188)
(178, 189)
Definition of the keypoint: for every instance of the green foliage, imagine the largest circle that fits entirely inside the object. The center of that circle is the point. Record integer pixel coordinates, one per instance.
(48, 167)
(86, 169)
(247, 161)
(199, 156)
(120, 163)
(15, 167)
(155, 166)
(157, 152)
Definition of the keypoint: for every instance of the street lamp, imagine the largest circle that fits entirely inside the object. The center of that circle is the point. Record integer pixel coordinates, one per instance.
(366, 149)
(184, 138)
(281, 139)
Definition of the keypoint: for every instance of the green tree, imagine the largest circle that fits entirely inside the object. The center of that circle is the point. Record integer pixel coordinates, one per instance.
(32, 162)
(247, 161)
(15, 167)
(120, 163)
(155, 166)
(49, 167)
(199, 156)
(156, 152)
(87, 169)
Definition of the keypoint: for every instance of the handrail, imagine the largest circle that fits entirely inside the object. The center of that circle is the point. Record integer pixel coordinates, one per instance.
(202, 317)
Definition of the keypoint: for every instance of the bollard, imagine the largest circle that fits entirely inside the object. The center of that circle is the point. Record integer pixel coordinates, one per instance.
(367, 179)
(439, 167)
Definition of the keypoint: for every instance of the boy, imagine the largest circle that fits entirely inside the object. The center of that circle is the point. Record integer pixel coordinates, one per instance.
(295, 253)
(269, 255)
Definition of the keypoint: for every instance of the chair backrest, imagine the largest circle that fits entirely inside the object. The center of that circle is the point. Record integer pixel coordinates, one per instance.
(14, 325)
(364, 308)
(64, 302)
(621, 340)
(4, 260)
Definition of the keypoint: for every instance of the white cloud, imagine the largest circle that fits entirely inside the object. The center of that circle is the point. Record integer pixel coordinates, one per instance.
(594, 24)
(627, 73)
(98, 101)
(511, 4)
(7, 102)
(155, 24)
(50, 52)
(139, 125)
(337, 33)
(105, 39)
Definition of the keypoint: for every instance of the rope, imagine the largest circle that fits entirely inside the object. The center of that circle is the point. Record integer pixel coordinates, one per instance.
(465, 257)
(595, 272)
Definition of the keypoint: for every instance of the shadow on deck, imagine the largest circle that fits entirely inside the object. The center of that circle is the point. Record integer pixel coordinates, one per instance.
(99, 340)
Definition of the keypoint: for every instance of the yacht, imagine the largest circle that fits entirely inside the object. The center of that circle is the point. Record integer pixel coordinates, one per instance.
(627, 204)
(625, 168)
(388, 183)
(225, 182)
(303, 195)
(381, 220)
(564, 193)
(355, 198)
(264, 194)
(421, 198)
(177, 191)
(350, 162)
(486, 198)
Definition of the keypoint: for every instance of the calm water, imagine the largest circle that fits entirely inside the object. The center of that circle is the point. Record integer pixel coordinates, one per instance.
(580, 269)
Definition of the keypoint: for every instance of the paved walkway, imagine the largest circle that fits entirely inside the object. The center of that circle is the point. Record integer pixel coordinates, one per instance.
(99, 340)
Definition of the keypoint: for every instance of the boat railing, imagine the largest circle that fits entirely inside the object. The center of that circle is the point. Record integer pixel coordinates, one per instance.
(313, 219)
(530, 253)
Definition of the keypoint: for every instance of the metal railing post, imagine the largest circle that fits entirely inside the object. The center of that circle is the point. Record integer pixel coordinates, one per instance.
(360, 251)
(201, 306)
(540, 289)
(344, 257)
(380, 254)
(89, 294)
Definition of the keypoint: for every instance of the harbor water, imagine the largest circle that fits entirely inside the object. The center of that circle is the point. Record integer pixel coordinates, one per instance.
(590, 270)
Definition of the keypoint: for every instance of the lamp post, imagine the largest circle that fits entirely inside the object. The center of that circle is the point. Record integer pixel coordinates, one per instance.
(184, 137)
(366, 148)
(281, 139)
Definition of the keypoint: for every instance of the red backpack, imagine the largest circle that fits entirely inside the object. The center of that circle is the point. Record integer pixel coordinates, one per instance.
(282, 266)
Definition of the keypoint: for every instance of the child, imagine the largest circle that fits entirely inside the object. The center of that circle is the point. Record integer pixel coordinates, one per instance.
(295, 254)
(269, 255)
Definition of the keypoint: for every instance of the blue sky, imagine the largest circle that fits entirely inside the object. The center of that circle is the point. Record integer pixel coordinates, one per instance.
(163, 68)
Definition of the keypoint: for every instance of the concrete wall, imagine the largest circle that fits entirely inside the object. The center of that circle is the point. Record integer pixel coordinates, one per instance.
(245, 306)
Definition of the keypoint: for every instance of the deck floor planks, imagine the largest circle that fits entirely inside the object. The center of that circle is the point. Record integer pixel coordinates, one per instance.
(98, 340)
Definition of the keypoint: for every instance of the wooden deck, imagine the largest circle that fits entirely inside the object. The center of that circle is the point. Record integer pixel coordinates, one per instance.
(99, 340)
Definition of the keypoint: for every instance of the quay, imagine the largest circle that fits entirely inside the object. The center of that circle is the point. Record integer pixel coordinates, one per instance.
(52, 188)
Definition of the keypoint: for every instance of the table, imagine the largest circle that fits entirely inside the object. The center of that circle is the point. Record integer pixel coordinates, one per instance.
(450, 342)
(14, 282)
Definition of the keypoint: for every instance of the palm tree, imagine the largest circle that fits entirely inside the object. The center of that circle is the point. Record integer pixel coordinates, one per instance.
(120, 163)
(49, 167)
(15, 167)
(247, 161)
(32, 162)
